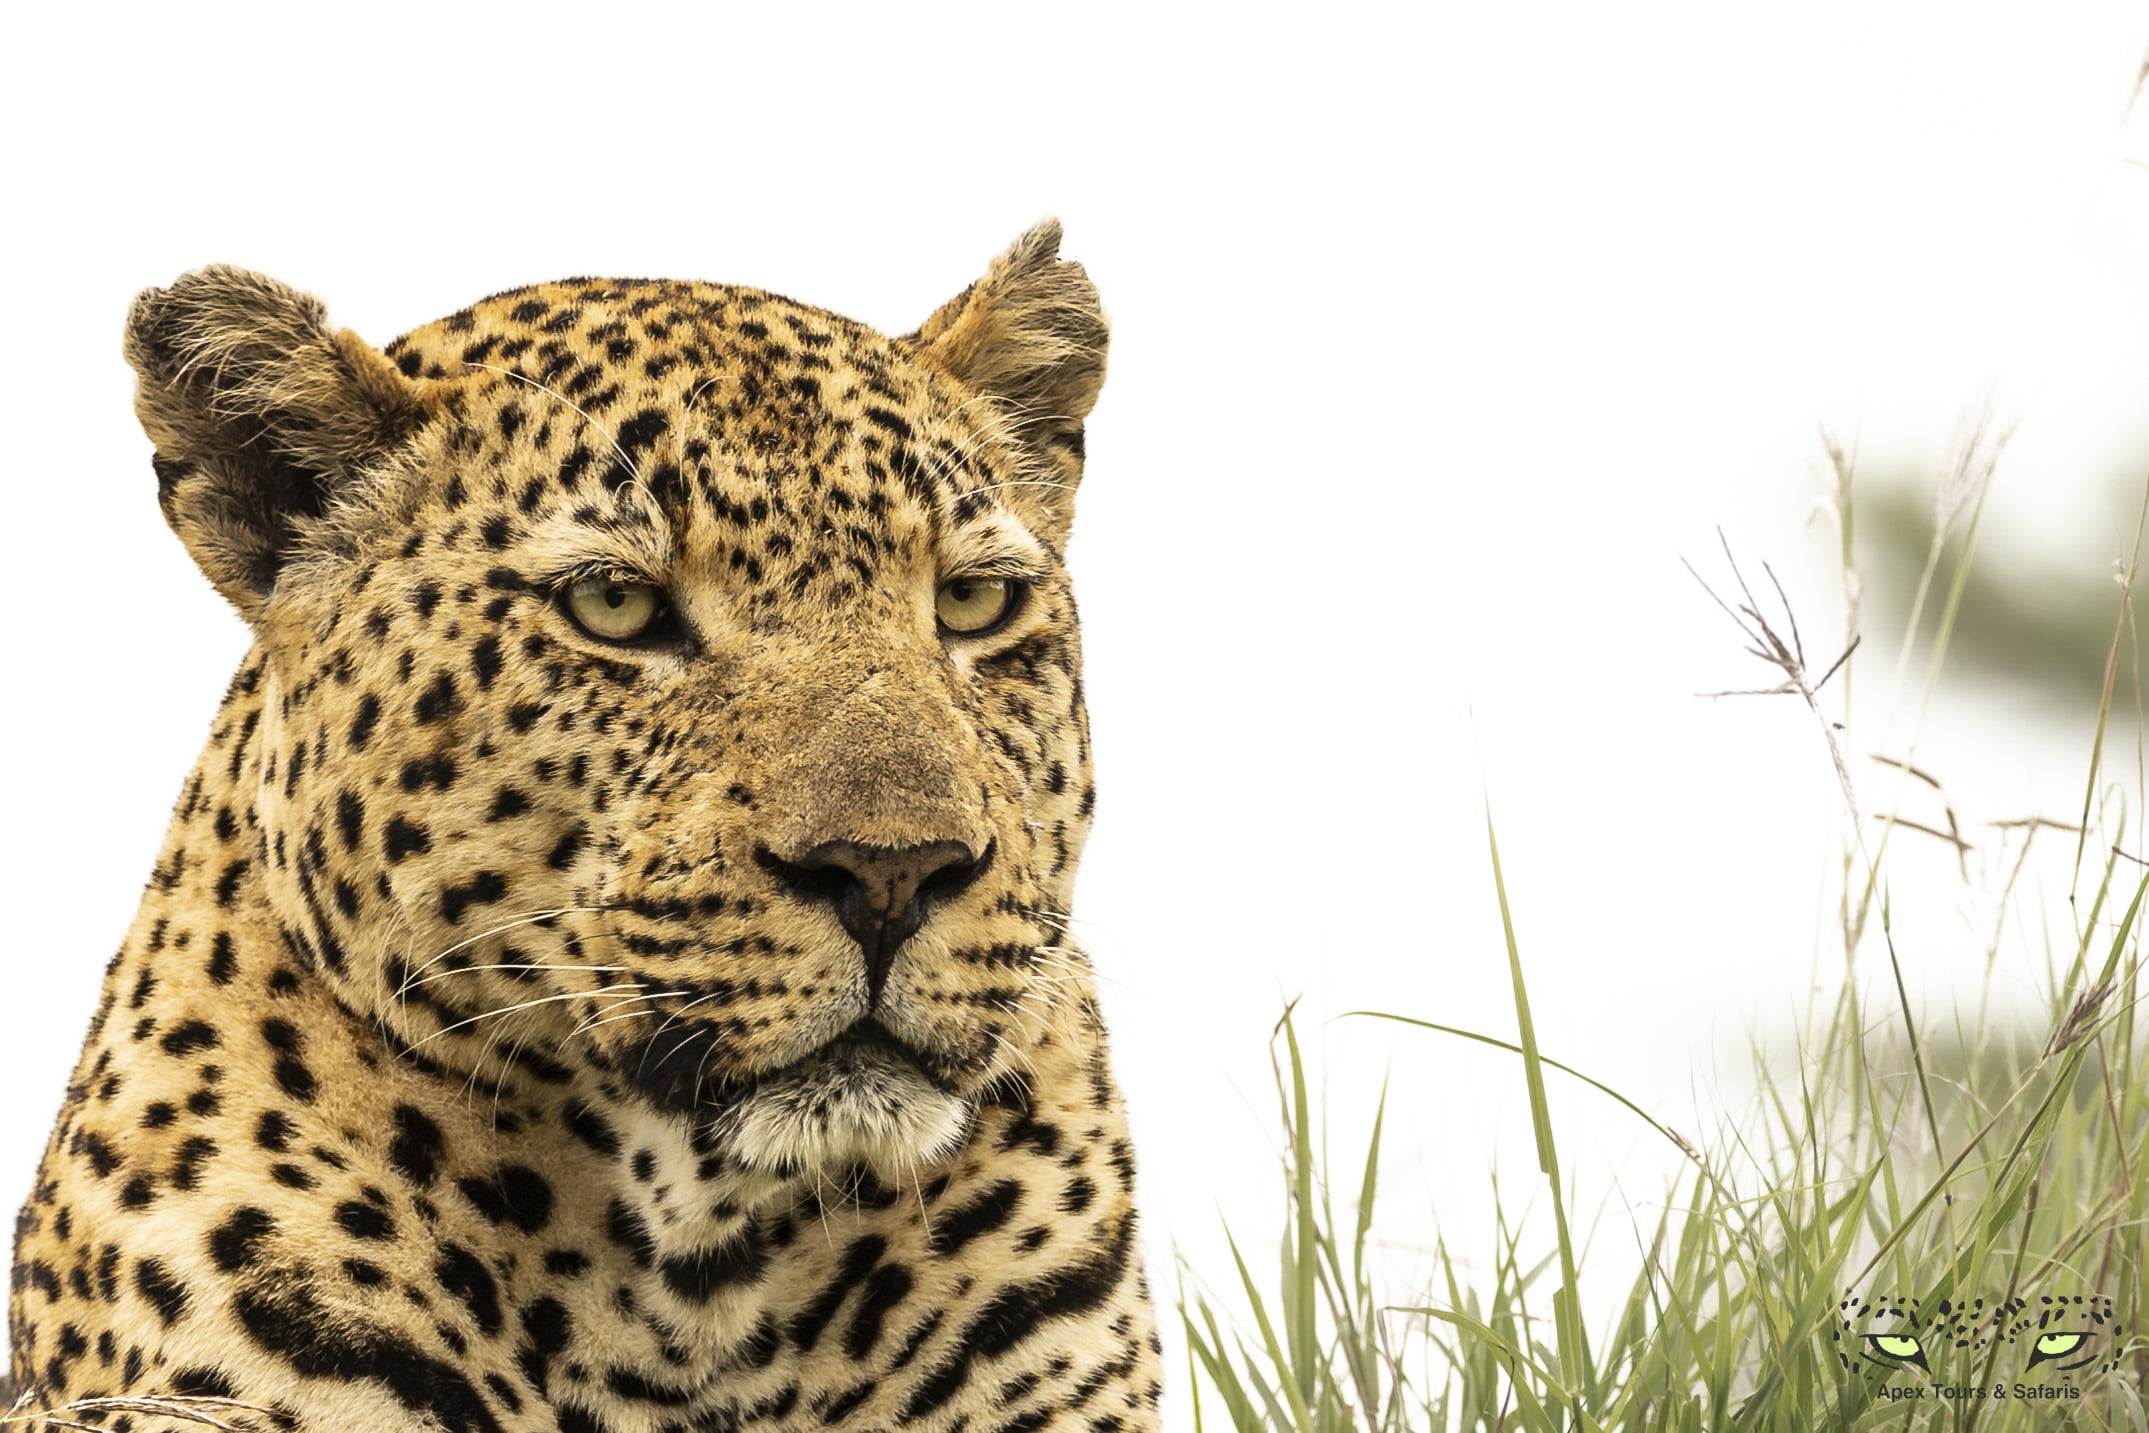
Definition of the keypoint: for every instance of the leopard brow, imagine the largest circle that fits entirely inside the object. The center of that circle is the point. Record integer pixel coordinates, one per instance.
(589, 552)
(992, 552)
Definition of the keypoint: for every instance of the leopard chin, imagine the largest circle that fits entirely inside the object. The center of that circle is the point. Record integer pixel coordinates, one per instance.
(853, 1105)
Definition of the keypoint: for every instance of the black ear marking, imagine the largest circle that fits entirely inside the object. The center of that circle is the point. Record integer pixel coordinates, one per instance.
(259, 411)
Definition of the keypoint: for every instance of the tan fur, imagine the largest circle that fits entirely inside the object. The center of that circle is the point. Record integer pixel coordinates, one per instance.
(1031, 335)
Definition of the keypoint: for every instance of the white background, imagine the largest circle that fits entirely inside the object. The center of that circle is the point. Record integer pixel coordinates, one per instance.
(1441, 333)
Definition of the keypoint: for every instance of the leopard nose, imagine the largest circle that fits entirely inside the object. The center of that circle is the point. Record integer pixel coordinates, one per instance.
(880, 894)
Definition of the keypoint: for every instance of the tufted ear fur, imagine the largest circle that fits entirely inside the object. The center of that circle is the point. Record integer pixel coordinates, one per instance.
(1031, 334)
(260, 412)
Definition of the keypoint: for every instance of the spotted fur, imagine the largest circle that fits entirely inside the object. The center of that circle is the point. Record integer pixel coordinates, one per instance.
(497, 1049)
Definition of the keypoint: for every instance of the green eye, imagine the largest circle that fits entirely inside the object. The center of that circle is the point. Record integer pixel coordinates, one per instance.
(1894, 1349)
(615, 609)
(973, 606)
(2056, 1345)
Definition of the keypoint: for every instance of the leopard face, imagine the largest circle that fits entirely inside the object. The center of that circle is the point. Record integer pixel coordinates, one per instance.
(788, 857)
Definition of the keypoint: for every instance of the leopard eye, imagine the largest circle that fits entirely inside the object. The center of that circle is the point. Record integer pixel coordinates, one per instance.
(616, 609)
(974, 606)
(1895, 1349)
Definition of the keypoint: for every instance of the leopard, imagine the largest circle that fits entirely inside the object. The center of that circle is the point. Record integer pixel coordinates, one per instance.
(610, 970)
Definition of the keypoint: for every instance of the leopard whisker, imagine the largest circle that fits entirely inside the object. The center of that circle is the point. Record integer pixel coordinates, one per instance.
(521, 1006)
(410, 985)
(532, 918)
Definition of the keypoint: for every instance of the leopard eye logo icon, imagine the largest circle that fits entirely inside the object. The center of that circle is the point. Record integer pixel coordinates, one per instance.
(2058, 1345)
(2043, 1340)
(1895, 1350)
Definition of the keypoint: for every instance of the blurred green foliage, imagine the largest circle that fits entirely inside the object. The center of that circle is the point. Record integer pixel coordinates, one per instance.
(2034, 619)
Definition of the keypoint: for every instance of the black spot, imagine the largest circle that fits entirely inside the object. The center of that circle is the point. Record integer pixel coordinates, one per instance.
(200, 1382)
(1026, 1128)
(273, 1131)
(188, 1036)
(590, 1127)
(165, 1294)
(362, 1221)
(885, 1287)
(892, 422)
(405, 838)
(438, 700)
(158, 1115)
(461, 1274)
(368, 717)
(507, 804)
(858, 1259)
(643, 429)
(563, 852)
(840, 1407)
(504, 1392)
(235, 1243)
(482, 889)
(437, 771)
(516, 1194)
(417, 1147)
(102, 1157)
(485, 661)
(194, 1152)
(982, 1215)
(291, 1176)
(548, 1326)
(223, 962)
(700, 1277)
(296, 1080)
(629, 1231)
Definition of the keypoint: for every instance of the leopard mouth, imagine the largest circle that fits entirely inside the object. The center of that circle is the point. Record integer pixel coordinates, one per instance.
(864, 1098)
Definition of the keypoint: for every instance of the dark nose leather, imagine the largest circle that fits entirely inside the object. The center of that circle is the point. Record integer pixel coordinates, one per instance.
(880, 894)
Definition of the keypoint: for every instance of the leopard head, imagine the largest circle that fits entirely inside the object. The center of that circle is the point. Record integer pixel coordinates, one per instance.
(662, 684)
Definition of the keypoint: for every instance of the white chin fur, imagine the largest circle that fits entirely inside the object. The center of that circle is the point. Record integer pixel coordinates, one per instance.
(856, 1107)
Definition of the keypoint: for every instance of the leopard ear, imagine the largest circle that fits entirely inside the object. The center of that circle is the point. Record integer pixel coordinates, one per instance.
(260, 413)
(1031, 334)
